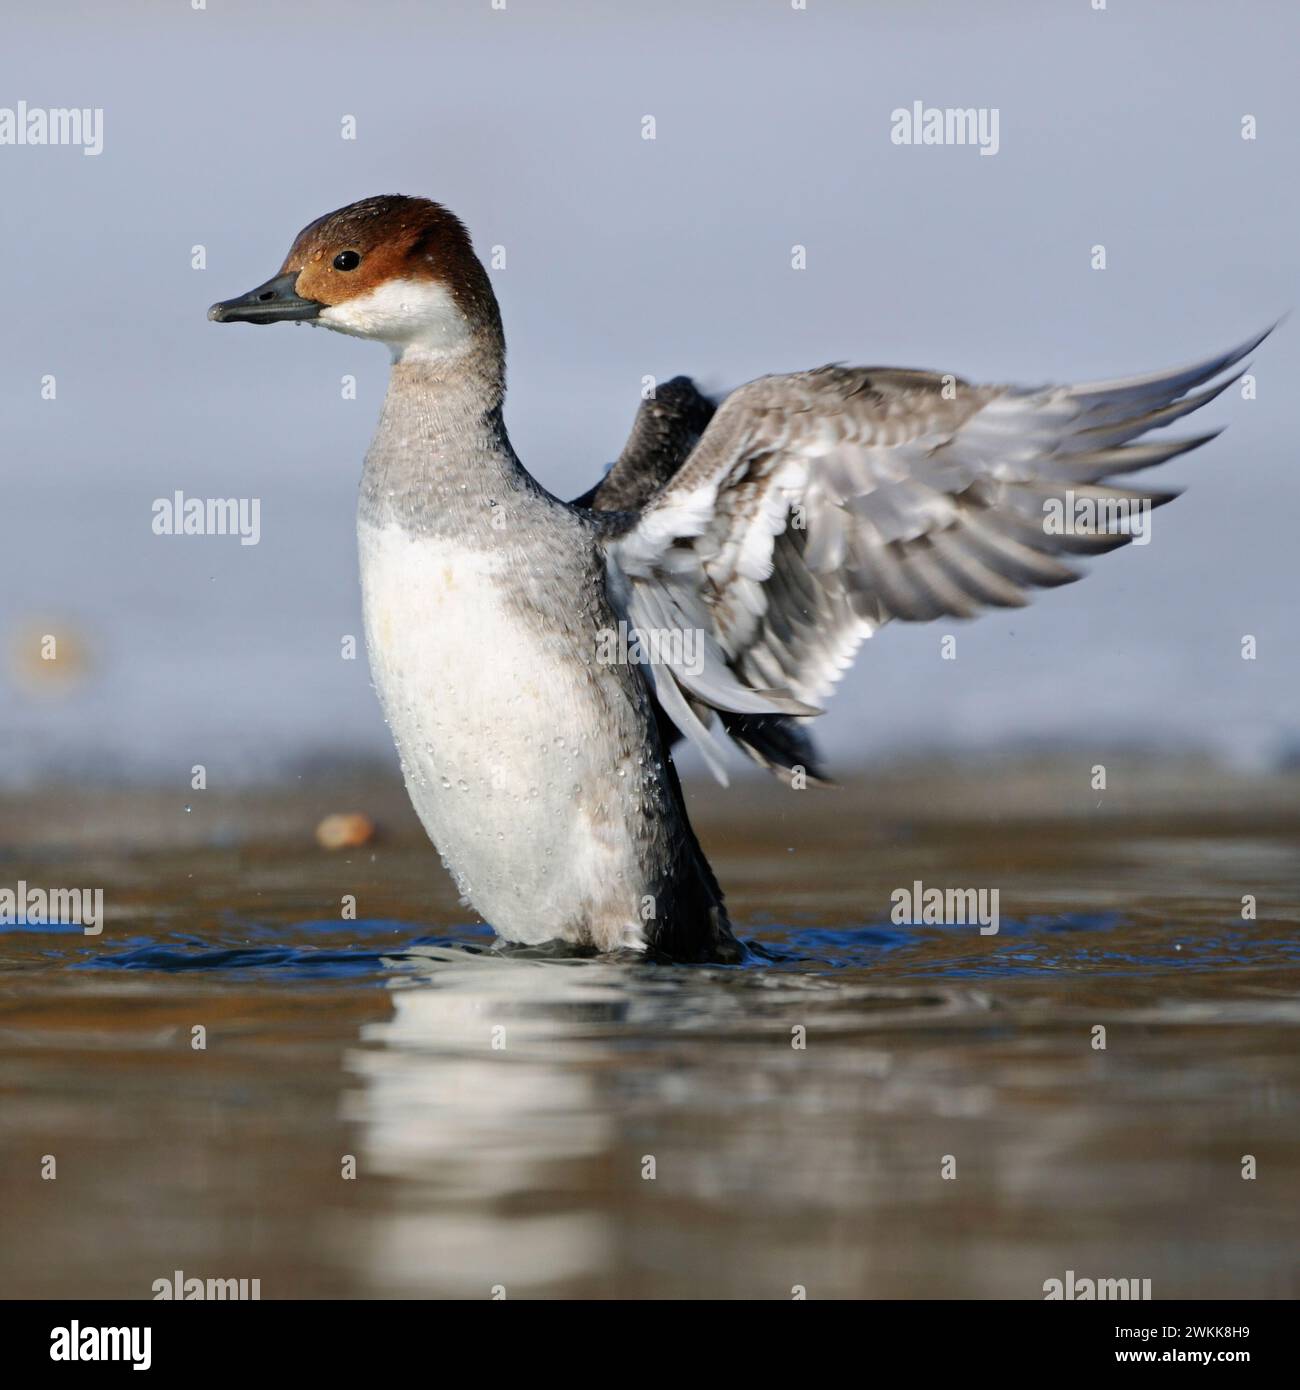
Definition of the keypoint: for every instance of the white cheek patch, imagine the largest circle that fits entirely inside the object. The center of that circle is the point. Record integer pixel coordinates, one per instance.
(405, 313)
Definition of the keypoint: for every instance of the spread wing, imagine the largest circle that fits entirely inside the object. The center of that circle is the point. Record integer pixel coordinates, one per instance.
(817, 506)
(667, 427)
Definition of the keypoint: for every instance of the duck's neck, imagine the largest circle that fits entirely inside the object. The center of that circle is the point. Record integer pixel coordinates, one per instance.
(441, 461)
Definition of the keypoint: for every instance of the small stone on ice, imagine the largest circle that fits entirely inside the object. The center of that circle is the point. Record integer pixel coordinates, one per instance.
(345, 830)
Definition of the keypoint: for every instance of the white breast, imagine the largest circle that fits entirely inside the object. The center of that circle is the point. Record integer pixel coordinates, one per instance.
(498, 731)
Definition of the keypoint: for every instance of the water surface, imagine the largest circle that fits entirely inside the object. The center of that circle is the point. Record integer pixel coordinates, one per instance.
(588, 1128)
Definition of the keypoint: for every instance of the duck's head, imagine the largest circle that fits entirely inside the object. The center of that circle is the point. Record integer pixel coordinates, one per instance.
(401, 270)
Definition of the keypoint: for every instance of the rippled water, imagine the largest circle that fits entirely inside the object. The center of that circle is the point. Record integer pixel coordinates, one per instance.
(583, 1127)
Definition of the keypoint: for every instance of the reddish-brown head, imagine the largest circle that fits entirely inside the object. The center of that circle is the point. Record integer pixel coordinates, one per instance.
(394, 268)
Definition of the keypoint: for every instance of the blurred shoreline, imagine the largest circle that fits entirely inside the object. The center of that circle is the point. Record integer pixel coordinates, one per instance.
(1188, 793)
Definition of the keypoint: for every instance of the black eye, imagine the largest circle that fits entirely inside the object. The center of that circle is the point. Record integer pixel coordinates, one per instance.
(347, 260)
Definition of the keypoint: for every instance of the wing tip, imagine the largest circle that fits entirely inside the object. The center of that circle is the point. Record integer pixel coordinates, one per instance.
(1178, 380)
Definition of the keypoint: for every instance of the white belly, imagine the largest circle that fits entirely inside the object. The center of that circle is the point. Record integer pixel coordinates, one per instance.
(498, 733)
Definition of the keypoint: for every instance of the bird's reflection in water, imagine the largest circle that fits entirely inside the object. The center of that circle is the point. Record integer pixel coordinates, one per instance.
(581, 1125)
(472, 1100)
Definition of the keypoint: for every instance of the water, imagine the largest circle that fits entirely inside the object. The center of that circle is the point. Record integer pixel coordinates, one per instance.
(588, 1128)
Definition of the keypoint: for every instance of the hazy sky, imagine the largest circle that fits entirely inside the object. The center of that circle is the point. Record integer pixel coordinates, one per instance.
(222, 128)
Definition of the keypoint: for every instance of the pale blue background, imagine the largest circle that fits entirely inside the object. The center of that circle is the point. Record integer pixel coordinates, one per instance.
(627, 257)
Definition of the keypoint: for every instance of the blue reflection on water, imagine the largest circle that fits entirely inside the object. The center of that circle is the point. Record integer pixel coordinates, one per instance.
(1032, 946)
